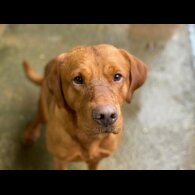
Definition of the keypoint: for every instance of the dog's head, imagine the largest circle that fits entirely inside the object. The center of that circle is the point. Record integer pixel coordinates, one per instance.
(94, 81)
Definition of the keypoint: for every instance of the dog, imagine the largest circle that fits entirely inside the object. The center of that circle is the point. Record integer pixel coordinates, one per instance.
(82, 92)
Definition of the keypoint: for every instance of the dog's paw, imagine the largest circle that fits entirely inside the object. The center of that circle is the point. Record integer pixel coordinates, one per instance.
(29, 138)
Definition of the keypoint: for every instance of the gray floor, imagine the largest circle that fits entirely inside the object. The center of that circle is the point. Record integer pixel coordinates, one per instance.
(159, 124)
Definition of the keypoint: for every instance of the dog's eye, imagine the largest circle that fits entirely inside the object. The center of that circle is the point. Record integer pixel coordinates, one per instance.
(117, 77)
(78, 80)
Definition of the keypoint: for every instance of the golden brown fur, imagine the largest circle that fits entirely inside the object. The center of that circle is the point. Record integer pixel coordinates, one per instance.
(66, 107)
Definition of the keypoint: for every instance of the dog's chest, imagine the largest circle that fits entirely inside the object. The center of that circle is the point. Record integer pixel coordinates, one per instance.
(92, 155)
(92, 151)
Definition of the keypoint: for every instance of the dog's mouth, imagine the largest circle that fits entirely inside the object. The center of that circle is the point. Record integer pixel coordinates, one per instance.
(104, 130)
(92, 128)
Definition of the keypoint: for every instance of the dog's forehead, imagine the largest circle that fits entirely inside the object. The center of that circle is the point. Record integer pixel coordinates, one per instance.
(98, 54)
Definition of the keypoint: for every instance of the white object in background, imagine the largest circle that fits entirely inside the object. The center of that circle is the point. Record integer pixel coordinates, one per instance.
(191, 28)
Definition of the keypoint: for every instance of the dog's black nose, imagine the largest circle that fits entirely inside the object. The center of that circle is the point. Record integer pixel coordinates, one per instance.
(105, 115)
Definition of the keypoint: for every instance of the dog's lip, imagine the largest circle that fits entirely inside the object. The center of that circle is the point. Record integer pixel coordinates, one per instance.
(111, 132)
(115, 132)
(107, 130)
(103, 130)
(101, 133)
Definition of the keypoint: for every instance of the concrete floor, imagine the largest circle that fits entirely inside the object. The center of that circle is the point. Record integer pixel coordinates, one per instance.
(159, 125)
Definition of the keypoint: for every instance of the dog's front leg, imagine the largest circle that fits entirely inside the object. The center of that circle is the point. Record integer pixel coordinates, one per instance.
(60, 165)
(96, 157)
(93, 165)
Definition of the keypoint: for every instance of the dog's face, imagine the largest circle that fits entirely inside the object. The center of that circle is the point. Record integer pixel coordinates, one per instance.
(94, 81)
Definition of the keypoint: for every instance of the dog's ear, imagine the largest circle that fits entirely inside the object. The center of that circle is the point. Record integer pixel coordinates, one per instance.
(54, 80)
(138, 73)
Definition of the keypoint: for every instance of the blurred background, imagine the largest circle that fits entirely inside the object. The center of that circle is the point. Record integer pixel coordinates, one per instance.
(159, 124)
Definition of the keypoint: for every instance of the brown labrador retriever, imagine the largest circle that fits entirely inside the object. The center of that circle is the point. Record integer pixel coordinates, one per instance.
(81, 95)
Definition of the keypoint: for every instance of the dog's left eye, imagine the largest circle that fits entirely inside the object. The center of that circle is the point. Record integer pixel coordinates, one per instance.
(117, 77)
(78, 80)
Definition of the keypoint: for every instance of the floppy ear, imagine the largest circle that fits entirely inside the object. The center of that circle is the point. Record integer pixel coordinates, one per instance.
(54, 80)
(138, 73)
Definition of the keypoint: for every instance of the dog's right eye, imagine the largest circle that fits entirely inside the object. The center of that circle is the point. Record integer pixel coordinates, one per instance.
(78, 80)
